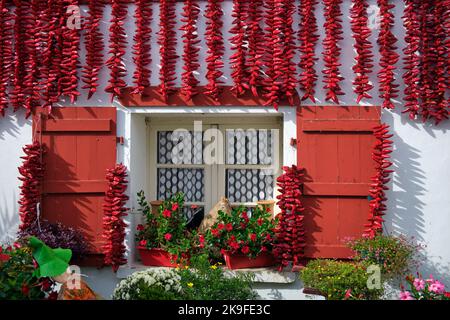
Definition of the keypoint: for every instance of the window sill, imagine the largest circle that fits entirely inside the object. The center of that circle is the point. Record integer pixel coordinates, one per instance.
(262, 275)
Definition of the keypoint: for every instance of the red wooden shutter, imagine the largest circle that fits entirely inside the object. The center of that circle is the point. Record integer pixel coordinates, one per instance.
(335, 146)
(80, 144)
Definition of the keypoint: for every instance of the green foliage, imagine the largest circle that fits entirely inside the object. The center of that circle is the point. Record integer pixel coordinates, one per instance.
(339, 280)
(18, 280)
(241, 233)
(151, 284)
(203, 281)
(394, 255)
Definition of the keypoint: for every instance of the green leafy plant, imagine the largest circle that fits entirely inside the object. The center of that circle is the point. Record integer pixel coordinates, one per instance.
(424, 289)
(18, 276)
(394, 255)
(151, 284)
(339, 280)
(242, 233)
(203, 281)
(166, 229)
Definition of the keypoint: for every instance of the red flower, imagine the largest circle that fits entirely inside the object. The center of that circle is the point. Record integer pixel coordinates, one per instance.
(234, 245)
(229, 227)
(201, 239)
(220, 226)
(4, 257)
(243, 225)
(143, 243)
(253, 237)
(268, 237)
(46, 284)
(223, 251)
(260, 221)
(263, 249)
(25, 289)
(245, 249)
(268, 209)
(215, 232)
(447, 294)
(168, 236)
(348, 294)
(167, 213)
(140, 227)
(244, 215)
(175, 207)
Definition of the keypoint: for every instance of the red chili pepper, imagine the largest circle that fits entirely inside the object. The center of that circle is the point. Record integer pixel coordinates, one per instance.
(256, 45)
(6, 54)
(191, 13)
(94, 47)
(114, 211)
(215, 44)
(238, 46)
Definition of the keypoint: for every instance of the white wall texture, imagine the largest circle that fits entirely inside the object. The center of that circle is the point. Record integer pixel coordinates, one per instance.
(418, 203)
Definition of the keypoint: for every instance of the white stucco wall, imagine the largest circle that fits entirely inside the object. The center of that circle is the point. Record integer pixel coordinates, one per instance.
(418, 204)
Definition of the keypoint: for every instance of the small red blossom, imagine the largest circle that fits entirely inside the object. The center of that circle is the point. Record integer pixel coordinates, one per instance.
(143, 243)
(229, 227)
(223, 251)
(234, 245)
(260, 221)
(447, 294)
(168, 236)
(140, 227)
(348, 294)
(245, 249)
(268, 209)
(264, 249)
(215, 232)
(268, 237)
(167, 213)
(201, 240)
(253, 237)
(244, 215)
(25, 289)
(220, 226)
(175, 207)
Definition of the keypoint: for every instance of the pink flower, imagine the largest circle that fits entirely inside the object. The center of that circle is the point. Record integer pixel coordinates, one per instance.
(348, 294)
(166, 213)
(168, 236)
(419, 284)
(437, 287)
(175, 207)
(405, 295)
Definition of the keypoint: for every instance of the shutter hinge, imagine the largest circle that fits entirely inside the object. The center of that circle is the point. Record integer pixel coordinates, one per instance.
(120, 140)
(293, 142)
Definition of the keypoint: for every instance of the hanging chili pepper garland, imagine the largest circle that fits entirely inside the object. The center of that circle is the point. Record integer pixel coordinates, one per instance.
(167, 52)
(142, 58)
(332, 51)
(215, 44)
(256, 45)
(381, 156)
(289, 68)
(31, 174)
(308, 38)
(388, 59)
(189, 82)
(363, 48)
(94, 47)
(117, 46)
(411, 59)
(268, 58)
(290, 235)
(6, 54)
(239, 47)
(114, 211)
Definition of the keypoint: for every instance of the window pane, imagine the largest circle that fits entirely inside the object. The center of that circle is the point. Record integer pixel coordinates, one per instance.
(189, 181)
(248, 185)
(249, 146)
(188, 147)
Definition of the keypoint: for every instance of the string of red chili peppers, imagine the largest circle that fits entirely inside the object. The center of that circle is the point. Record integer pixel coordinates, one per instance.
(31, 174)
(363, 48)
(238, 46)
(216, 48)
(289, 68)
(114, 211)
(117, 46)
(332, 51)
(308, 38)
(386, 41)
(411, 77)
(256, 45)
(268, 57)
(290, 235)
(6, 54)
(142, 37)
(381, 156)
(189, 82)
(94, 47)
(167, 41)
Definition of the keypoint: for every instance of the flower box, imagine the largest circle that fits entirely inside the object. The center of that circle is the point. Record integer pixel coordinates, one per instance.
(239, 261)
(156, 257)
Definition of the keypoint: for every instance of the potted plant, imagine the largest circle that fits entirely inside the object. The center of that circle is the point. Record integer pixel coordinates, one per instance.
(164, 240)
(244, 239)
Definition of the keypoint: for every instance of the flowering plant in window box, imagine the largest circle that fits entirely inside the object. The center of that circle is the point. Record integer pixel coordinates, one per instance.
(245, 240)
(164, 240)
(424, 289)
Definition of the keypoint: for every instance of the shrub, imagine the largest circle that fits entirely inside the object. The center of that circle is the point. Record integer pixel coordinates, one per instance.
(394, 255)
(17, 276)
(339, 280)
(242, 233)
(203, 281)
(150, 284)
(57, 235)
